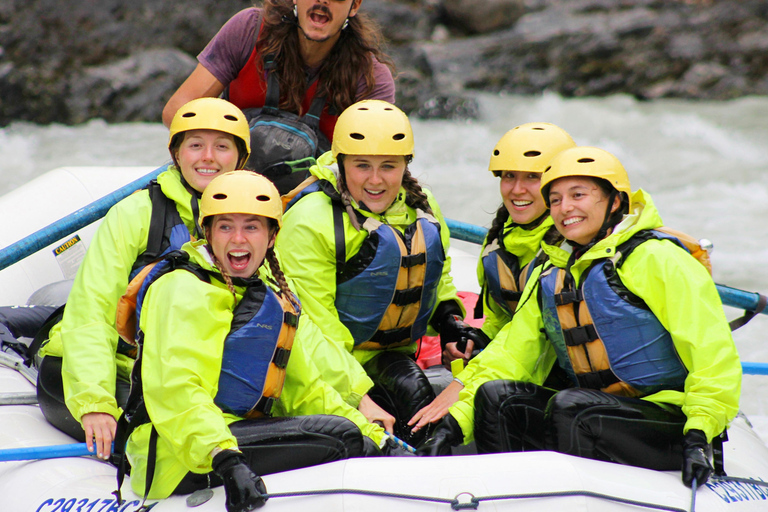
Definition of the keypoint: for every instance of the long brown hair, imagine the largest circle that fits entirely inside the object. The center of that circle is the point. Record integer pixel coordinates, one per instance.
(339, 73)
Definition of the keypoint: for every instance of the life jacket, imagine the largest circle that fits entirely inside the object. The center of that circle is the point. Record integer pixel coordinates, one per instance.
(256, 353)
(605, 337)
(386, 292)
(167, 233)
(504, 279)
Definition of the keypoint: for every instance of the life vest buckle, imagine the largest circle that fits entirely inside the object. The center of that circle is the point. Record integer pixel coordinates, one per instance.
(580, 335)
(281, 357)
(568, 297)
(412, 260)
(408, 296)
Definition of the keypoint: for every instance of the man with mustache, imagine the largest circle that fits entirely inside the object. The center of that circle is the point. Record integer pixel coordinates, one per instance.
(320, 47)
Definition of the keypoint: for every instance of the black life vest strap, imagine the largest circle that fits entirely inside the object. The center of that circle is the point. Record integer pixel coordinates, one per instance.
(391, 336)
(157, 222)
(281, 357)
(509, 295)
(597, 380)
(272, 97)
(312, 117)
(408, 296)
(478, 312)
(338, 231)
(580, 335)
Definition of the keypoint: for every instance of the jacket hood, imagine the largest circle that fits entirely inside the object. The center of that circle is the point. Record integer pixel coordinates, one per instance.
(644, 216)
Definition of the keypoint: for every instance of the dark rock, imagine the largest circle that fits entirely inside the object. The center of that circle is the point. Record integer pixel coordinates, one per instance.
(483, 17)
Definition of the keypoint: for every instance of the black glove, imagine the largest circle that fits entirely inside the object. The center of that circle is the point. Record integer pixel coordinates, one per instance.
(245, 491)
(455, 330)
(447, 434)
(696, 458)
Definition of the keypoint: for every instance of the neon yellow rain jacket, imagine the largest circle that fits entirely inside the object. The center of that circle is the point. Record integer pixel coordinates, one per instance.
(523, 243)
(678, 290)
(306, 247)
(86, 336)
(185, 322)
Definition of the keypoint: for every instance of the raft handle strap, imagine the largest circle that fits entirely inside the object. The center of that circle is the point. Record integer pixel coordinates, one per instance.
(762, 301)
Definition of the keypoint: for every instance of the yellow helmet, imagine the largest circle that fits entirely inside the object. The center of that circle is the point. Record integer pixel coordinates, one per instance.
(241, 191)
(529, 147)
(212, 114)
(590, 162)
(372, 127)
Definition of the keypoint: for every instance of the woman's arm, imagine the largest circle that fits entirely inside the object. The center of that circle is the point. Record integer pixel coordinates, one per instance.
(185, 322)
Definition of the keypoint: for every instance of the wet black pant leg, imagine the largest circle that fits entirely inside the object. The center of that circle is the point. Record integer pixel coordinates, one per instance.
(509, 416)
(597, 425)
(50, 396)
(272, 445)
(25, 321)
(401, 388)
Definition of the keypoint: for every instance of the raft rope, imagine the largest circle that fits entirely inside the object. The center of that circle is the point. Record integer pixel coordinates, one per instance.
(474, 501)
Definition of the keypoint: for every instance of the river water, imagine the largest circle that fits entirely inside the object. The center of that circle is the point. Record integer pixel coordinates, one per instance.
(703, 162)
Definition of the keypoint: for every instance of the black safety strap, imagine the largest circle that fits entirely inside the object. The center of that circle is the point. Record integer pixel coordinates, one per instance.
(312, 117)
(157, 222)
(509, 295)
(385, 338)
(717, 453)
(42, 335)
(597, 380)
(762, 300)
(407, 296)
(272, 97)
(338, 231)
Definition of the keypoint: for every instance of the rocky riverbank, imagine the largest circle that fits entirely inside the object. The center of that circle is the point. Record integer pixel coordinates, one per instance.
(66, 62)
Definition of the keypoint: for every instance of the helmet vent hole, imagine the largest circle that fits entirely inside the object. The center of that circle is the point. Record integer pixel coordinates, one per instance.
(188, 114)
(262, 198)
(389, 109)
(548, 168)
(495, 152)
(539, 128)
(357, 136)
(229, 117)
(363, 108)
(585, 160)
(398, 136)
(220, 196)
(532, 153)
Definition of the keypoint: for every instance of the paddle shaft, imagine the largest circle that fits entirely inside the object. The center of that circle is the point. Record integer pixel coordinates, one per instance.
(45, 452)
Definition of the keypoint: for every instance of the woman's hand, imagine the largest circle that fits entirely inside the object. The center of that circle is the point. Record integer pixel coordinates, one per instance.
(375, 414)
(99, 427)
(451, 352)
(438, 408)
